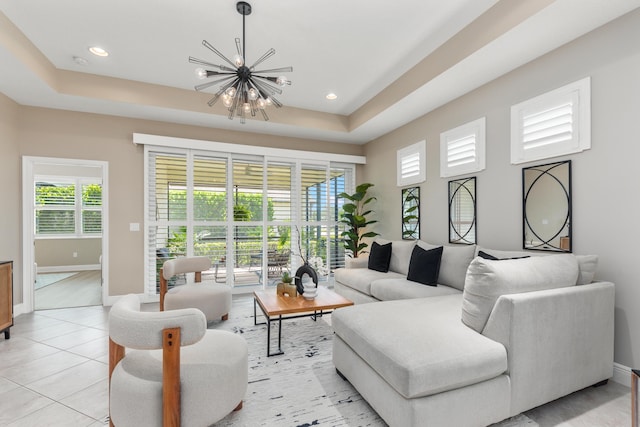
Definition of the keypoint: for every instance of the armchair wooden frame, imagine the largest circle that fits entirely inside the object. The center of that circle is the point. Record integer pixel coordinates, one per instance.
(170, 374)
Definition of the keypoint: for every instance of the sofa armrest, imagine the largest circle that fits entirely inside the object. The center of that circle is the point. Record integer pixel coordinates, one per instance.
(558, 341)
(361, 262)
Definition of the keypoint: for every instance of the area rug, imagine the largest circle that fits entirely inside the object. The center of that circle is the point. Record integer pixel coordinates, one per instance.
(301, 387)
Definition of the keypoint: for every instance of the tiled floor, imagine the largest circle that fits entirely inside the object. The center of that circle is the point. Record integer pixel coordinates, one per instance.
(54, 369)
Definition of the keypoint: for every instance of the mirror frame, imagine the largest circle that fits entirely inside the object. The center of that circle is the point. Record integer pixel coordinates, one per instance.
(455, 235)
(411, 213)
(549, 170)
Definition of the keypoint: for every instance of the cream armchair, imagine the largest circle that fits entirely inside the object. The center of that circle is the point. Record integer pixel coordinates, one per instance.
(174, 371)
(213, 299)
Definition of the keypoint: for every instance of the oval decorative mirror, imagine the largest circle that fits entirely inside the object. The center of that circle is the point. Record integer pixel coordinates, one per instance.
(546, 209)
(462, 211)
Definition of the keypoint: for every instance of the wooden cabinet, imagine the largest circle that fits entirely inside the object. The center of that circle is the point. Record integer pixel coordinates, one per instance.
(6, 297)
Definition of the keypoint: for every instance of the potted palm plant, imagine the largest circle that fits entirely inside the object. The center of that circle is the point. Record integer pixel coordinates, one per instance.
(356, 221)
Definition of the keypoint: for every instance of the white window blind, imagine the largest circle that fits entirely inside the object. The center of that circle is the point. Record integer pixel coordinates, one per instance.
(67, 207)
(553, 124)
(462, 149)
(411, 164)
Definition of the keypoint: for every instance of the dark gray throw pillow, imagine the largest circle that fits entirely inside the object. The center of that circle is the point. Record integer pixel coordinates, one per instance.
(379, 257)
(424, 265)
(490, 257)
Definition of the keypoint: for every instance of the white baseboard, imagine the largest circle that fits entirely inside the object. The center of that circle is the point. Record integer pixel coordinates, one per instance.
(66, 268)
(18, 309)
(144, 299)
(621, 374)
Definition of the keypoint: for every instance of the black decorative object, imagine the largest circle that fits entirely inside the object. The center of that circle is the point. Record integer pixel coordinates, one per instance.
(546, 213)
(462, 211)
(305, 269)
(411, 213)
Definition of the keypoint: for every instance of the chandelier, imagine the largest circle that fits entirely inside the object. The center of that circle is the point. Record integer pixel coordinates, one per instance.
(244, 90)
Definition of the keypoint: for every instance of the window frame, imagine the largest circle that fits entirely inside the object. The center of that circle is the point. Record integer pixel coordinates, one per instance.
(78, 207)
(418, 149)
(578, 95)
(475, 129)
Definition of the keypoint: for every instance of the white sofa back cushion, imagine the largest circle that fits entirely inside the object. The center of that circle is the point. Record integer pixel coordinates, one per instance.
(453, 264)
(400, 254)
(487, 280)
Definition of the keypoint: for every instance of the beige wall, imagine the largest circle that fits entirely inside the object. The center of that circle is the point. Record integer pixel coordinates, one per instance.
(59, 252)
(10, 223)
(54, 133)
(606, 187)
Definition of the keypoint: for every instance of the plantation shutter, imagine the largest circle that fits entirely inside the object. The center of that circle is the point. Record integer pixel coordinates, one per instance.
(411, 164)
(91, 208)
(55, 208)
(553, 124)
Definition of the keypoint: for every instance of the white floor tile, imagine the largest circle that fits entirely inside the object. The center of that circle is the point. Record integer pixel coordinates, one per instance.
(72, 380)
(54, 415)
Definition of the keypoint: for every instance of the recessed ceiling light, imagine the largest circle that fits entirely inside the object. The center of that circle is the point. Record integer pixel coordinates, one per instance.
(331, 96)
(98, 51)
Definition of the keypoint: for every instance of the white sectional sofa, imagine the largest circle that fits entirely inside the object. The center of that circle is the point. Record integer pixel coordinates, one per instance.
(491, 340)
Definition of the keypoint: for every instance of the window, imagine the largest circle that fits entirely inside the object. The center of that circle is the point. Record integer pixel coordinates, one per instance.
(67, 207)
(554, 124)
(411, 164)
(243, 211)
(462, 150)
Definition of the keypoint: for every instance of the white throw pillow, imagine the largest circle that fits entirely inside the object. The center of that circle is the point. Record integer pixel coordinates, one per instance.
(400, 254)
(587, 265)
(453, 264)
(487, 280)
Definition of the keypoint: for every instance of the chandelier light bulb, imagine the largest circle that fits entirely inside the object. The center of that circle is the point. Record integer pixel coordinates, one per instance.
(282, 81)
(238, 60)
(268, 101)
(246, 107)
(262, 104)
(253, 94)
(226, 100)
(231, 92)
(201, 73)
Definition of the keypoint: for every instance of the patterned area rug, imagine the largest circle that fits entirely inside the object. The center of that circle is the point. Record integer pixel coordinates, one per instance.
(301, 387)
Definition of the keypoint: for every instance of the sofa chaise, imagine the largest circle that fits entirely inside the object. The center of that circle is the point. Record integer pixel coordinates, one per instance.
(494, 338)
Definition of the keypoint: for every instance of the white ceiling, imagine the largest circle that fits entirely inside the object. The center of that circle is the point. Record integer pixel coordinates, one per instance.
(354, 48)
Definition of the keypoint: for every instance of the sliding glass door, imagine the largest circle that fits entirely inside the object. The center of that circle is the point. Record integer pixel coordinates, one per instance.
(255, 217)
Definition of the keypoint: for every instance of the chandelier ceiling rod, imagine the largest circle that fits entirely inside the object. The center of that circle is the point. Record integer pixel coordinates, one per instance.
(243, 91)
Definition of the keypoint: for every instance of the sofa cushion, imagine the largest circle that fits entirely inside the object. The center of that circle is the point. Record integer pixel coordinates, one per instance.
(587, 265)
(379, 257)
(454, 263)
(424, 265)
(487, 280)
(393, 289)
(400, 254)
(508, 254)
(419, 346)
(360, 278)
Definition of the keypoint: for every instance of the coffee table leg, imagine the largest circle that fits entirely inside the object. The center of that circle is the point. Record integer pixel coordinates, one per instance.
(280, 334)
(254, 312)
(279, 352)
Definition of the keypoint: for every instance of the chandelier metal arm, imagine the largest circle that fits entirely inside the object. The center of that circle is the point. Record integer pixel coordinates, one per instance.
(265, 56)
(221, 91)
(274, 70)
(194, 60)
(214, 50)
(209, 84)
(265, 83)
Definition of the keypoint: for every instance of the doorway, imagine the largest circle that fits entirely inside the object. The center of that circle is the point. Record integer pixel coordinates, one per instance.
(65, 233)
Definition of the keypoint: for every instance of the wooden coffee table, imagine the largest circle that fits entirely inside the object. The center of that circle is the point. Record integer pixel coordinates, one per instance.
(278, 308)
